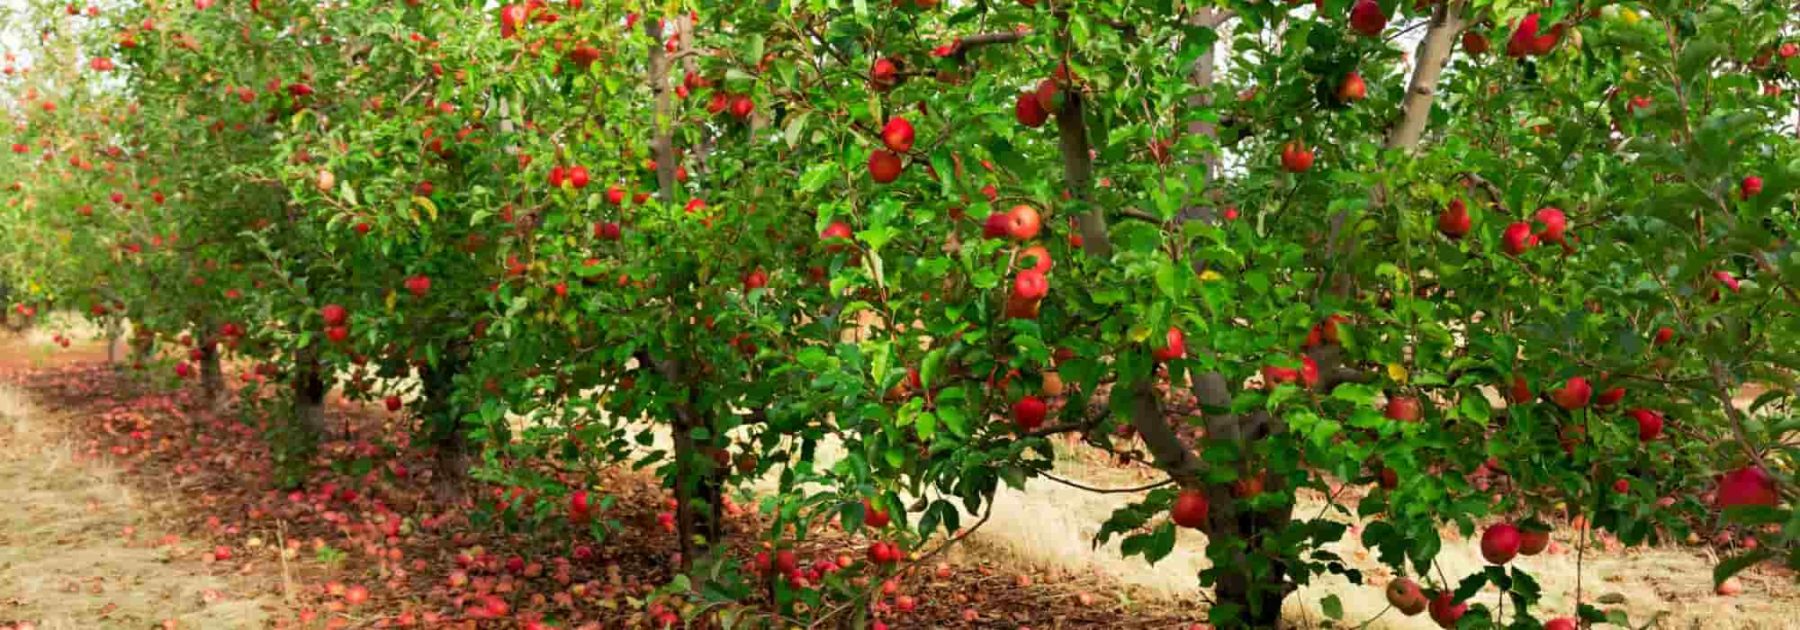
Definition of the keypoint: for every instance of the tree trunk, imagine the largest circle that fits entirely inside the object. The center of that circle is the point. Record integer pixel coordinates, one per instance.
(212, 377)
(309, 397)
(698, 495)
(112, 343)
(444, 426)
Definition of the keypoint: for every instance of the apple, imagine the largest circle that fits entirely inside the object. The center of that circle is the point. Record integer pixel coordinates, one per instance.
(334, 315)
(1622, 486)
(1445, 611)
(756, 279)
(1454, 221)
(1749, 485)
(1404, 595)
(1174, 346)
(873, 517)
(607, 231)
(1663, 335)
(884, 74)
(742, 106)
(393, 403)
(1030, 285)
(1561, 623)
(1474, 43)
(1352, 89)
(1533, 541)
(1048, 95)
(1517, 238)
(1023, 223)
(1574, 394)
(1649, 423)
(897, 135)
(418, 285)
(1190, 509)
(1403, 408)
(583, 56)
(578, 177)
(615, 195)
(994, 226)
(1296, 157)
(1555, 224)
(337, 334)
(884, 166)
(1309, 372)
(1028, 413)
(836, 236)
(1367, 18)
(1528, 41)
(1029, 112)
(1036, 258)
(1500, 543)
(1788, 50)
(1752, 185)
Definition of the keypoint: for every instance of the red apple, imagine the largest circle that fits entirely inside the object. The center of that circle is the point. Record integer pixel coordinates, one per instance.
(607, 231)
(1500, 543)
(1296, 157)
(1474, 43)
(334, 315)
(1029, 112)
(1367, 18)
(884, 166)
(1527, 39)
(1030, 285)
(1023, 223)
(742, 106)
(1035, 257)
(393, 403)
(1533, 541)
(1403, 408)
(1174, 346)
(418, 285)
(897, 135)
(884, 74)
(1649, 423)
(1555, 223)
(1454, 221)
(1445, 611)
(578, 177)
(1352, 89)
(1190, 509)
(1029, 412)
(1752, 185)
(1664, 335)
(1749, 485)
(836, 236)
(1561, 623)
(1574, 394)
(1518, 238)
(1404, 595)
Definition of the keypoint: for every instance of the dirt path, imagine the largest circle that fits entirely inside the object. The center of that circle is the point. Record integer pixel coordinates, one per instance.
(78, 550)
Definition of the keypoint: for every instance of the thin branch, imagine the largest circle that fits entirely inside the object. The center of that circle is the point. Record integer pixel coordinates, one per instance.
(1082, 486)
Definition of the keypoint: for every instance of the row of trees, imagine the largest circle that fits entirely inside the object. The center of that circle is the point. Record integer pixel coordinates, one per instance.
(1518, 273)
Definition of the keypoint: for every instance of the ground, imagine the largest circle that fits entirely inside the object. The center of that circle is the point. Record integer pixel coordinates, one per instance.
(133, 507)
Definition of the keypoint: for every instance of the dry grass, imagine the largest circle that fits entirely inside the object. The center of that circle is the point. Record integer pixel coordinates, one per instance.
(65, 561)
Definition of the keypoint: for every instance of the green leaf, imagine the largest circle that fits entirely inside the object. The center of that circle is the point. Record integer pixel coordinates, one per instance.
(1332, 607)
(1736, 564)
(817, 175)
(927, 425)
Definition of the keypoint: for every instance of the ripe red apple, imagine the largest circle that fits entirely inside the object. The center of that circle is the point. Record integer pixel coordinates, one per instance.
(837, 236)
(1404, 595)
(615, 195)
(756, 279)
(1352, 89)
(1296, 157)
(393, 403)
(1023, 223)
(1555, 223)
(418, 285)
(873, 517)
(1751, 186)
(607, 231)
(1029, 412)
(1367, 18)
(1403, 408)
(1174, 346)
(1036, 258)
(742, 106)
(1030, 285)
(884, 166)
(1029, 112)
(1445, 611)
(1454, 221)
(1664, 335)
(1309, 372)
(1190, 509)
(1749, 485)
(578, 177)
(1474, 43)
(1725, 277)
(1533, 541)
(1527, 39)
(897, 135)
(1500, 543)
(1610, 397)
(1518, 238)
(334, 315)
(337, 334)
(1574, 394)
(1049, 96)
(1649, 423)
(1561, 623)
(884, 74)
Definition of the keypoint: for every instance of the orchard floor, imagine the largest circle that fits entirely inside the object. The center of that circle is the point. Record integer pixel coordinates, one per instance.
(123, 500)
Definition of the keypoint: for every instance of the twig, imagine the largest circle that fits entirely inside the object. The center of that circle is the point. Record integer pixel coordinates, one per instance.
(1133, 490)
